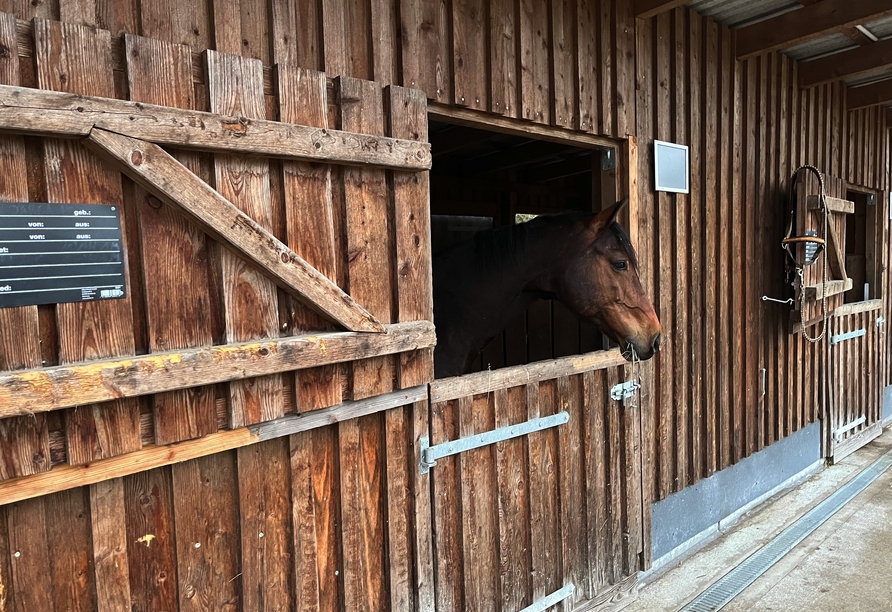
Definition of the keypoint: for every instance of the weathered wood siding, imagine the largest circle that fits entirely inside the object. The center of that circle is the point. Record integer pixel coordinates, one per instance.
(319, 520)
(186, 290)
(716, 251)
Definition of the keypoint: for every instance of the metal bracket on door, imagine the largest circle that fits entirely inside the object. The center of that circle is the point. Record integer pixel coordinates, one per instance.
(880, 321)
(550, 600)
(847, 336)
(624, 391)
(430, 454)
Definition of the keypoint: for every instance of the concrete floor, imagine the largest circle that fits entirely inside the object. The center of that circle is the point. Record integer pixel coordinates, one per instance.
(844, 566)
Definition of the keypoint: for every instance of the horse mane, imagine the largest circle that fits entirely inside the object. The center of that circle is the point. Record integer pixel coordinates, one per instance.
(503, 245)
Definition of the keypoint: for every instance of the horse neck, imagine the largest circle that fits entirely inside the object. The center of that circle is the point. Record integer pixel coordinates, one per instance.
(527, 274)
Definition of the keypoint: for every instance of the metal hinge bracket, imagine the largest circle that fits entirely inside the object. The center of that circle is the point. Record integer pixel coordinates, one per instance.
(847, 336)
(880, 321)
(430, 454)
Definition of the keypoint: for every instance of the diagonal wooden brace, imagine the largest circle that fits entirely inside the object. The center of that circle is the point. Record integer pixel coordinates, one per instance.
(158, 172)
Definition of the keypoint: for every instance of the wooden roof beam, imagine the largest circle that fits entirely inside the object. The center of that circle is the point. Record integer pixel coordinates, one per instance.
(807, 23)
(848, 63)
(645, 9)
(870, 95)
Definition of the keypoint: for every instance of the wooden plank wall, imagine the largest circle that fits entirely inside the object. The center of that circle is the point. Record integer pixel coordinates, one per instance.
(518, 520)
(281, 536)
(716, 251)
(567, 63)
(184, 289)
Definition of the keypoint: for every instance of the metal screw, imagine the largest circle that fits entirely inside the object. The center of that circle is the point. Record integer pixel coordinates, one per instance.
(261, 535)
(198, 545)
(17, 554)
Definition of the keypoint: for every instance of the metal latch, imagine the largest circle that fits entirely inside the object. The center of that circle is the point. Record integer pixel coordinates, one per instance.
(847, 336)
(430, 454)
(880, 321)
(624, 391)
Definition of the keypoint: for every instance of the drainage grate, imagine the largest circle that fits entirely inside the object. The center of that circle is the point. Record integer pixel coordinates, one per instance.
(734, 582)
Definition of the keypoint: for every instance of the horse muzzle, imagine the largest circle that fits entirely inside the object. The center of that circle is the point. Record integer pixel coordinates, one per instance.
(643, 350)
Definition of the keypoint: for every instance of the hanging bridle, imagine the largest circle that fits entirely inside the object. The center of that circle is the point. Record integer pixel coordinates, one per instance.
(790, 241)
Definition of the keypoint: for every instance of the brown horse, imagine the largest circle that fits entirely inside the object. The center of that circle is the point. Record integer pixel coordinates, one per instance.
(584, 260)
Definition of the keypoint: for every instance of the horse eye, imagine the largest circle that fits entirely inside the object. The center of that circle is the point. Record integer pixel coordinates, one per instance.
(620, 265)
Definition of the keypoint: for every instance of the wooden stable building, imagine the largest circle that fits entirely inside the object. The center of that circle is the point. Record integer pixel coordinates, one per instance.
(255, 424)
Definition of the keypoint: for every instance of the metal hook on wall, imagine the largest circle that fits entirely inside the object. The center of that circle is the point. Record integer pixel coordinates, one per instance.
(765, 298)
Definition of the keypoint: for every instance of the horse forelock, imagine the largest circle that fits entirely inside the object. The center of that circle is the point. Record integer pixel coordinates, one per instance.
(623, 238)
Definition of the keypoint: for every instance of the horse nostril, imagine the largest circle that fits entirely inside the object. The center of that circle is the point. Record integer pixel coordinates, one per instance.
(657, 341)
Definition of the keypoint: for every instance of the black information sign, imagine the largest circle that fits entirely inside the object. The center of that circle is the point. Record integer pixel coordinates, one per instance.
(54, 253)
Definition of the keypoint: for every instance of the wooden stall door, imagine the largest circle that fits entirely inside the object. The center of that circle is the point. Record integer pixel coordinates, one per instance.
(853, 414)
(552, 517)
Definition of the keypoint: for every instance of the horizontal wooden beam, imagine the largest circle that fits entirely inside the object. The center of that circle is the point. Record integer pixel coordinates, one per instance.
(816, 292)
(806, 24)
(645, 9)
(28, 392)
(458, 115)
(857, 307)
(64, 477)
(37, 112)
(164, 177)
(869, 95)
(837, 205)
(872, 56)
(484, 382)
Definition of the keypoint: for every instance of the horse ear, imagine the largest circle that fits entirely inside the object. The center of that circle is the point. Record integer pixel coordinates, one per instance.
(607, 217)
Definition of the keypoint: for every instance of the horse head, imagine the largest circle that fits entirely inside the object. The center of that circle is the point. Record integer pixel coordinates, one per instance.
(599, 281)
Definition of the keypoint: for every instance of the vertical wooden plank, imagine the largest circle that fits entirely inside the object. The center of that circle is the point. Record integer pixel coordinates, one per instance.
(564, 50)
(326, 483)
(753, 395)
(31, 582)
(306, 566)
(310, 222)
(359, 34)
(571, 462)
(625, 68)
(710, 194)
(588, 70)
(469, 40)
(607, 38)
(631, 466)
(266, 537)
(503, 57)
(539, 500)
(70, 550)
(175, 264)
(192, 24)
(514, 504)
(535, 88)
(383, 29)
(78, 12)
(426, 53)
(117, 16)
(695, 233)
(110, 561)
(362, 513)
(424, 507)
(614, 458)
(400, 523)
(7, 595)
(148, 512)
(207, 543)
(255, 30)
(680, 336)
(725, 172)
(226, 19)
(664, 226)
(370, 235)
(104, 328)
(478, 507)
(447, 512)
(594, 393)
(411, 205)
(250, 298)
(24, 441)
